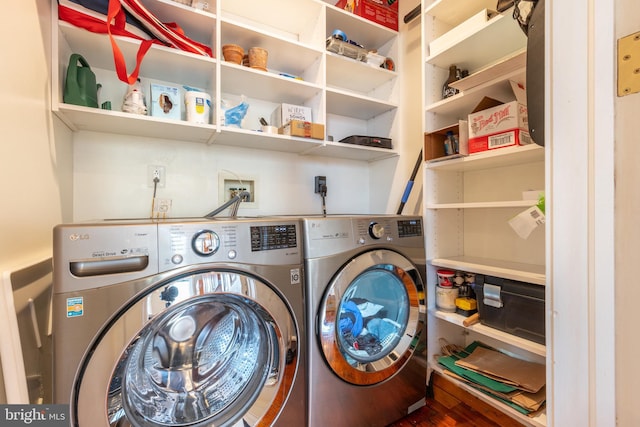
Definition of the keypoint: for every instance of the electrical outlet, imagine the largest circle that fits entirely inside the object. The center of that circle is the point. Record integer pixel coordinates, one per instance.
(320, 184)
(153, 172)
(161, 208)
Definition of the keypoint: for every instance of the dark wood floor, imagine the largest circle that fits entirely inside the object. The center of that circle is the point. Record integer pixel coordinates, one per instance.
(451, 406)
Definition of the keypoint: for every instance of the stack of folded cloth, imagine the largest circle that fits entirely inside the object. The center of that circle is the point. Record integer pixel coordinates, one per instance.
(517, 383)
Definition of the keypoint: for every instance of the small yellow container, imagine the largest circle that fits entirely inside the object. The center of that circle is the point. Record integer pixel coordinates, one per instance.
(466, 303)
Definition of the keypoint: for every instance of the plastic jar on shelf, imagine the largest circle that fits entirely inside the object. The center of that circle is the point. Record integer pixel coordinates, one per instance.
(445, 277)
(446, 298)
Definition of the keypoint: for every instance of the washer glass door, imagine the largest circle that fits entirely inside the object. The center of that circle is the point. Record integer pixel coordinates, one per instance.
(369, 317)
(212, 348)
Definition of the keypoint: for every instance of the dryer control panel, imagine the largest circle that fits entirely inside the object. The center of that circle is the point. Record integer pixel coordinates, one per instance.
(335, 234)
(389, 229)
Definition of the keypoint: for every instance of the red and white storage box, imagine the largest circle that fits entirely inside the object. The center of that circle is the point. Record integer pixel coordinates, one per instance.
(379, 11)
(504, 125)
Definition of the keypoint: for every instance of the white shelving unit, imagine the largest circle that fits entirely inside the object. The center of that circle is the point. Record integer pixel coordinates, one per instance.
(347, 96)
(469, 199)
(467, 53)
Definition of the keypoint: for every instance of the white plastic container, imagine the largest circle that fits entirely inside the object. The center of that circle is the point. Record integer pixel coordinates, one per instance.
(198, 107)
(446, 298)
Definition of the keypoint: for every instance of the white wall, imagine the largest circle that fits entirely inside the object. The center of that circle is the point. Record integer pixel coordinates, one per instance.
(110, 178)
(35, 152)
(110, 171)
(35, 149)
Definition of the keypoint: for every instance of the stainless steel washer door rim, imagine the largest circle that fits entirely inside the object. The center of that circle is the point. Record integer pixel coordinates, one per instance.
(195, 361)
(369, 319)
(224, 351)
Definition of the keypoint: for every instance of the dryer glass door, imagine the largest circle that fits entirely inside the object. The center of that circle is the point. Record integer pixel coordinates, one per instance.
(212, 348)
(369, 317)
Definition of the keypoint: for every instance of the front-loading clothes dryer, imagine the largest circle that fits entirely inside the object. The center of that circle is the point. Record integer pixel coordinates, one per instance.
(364, 279)
(180, 323)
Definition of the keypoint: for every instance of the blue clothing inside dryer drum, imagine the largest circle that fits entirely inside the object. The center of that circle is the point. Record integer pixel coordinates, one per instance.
(350, 319)
(381, 329)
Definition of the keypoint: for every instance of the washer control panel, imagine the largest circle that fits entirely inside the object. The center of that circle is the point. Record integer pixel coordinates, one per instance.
(252, 242)
(205, 242)
(268, 237)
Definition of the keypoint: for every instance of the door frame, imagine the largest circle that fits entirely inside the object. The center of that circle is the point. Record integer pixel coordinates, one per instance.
(579, 104)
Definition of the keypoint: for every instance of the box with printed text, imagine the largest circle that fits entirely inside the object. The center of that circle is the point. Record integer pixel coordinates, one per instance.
(303, 129)
(383, 12)
(165, 102)
(500, 126)
(287, 112)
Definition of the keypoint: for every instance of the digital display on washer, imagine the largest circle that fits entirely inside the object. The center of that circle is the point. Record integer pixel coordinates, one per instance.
(410, 228)
(266, 237)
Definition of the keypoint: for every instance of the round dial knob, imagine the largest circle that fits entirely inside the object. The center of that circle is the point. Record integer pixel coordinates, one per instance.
(205, 242)
(376, 230)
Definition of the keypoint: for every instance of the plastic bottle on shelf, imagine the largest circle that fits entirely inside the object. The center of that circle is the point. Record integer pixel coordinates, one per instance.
(451, 144)
(447, 90)
(448, 149)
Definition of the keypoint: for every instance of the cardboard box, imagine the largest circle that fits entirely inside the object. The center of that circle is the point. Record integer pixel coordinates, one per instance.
(303, 129)
(379, 11)
(286, 112)
(504, 125)
(165, 102)
(434, 142)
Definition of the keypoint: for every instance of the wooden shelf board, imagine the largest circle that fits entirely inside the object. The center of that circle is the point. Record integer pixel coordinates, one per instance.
(507, 156)
(368, 33)
(97, 120)
(501, 32)
(258, 84)
(349, 104)
(513, 63)
(343, 72)
(80, 118)
(454, 12)
(257, 140)
(300, 58)
(530, 273)
(484, 205)
(540, 420)
(524, 344)
(354, 152)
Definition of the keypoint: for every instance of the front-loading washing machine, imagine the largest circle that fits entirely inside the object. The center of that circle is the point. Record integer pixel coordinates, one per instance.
(180, 323)
(366, 319)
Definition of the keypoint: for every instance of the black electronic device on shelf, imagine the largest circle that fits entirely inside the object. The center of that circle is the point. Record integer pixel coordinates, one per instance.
(369, 141)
